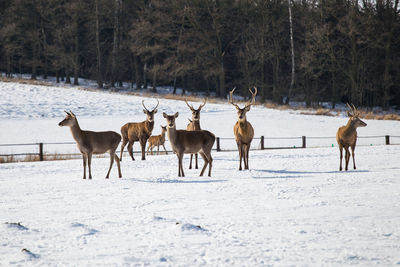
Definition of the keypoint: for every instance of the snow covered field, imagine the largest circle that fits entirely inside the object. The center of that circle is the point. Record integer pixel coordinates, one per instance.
(292, 208)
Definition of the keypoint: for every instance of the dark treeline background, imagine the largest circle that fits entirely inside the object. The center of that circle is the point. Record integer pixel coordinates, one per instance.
(344, 50)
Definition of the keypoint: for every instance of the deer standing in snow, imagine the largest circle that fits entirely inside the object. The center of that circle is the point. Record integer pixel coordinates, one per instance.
(346, 136)
(157, 140)
(243, 130)
(190, 142)
(138, 131)
(90, 143)
(194, 125)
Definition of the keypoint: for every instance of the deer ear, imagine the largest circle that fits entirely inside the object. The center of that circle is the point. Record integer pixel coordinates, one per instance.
(176, 115)
(155, 111)
(73, 115)
(164, 115)
(247, 108)
(144, 111)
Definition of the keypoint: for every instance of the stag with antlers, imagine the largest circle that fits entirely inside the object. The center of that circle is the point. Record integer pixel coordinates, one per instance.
(138, 131)
(346, 136)
(243, 130)
(194, 125)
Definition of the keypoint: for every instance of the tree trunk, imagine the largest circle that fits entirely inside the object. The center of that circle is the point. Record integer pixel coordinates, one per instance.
(138, 76)
(98, 49)
(154, 90)
(292, 54)
(221, 77)
(115, 51)
(144, 75)
(76, 61)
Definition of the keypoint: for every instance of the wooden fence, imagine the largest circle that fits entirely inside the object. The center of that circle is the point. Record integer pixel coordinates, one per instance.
(259, 143)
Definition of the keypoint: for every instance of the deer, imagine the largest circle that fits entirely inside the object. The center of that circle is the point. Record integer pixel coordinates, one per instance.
(242, 129)
(194, 125)
(138, 131)
(157, 140)
(346, 136)
(189, 142)
(90, 143)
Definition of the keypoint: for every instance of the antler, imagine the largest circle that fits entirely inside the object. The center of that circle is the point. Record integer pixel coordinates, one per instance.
(356, 112)
(253, 97)
(158, 102)
(204, 103)
(231, 98)
(144, 106)
(153, 108)
(190, 106)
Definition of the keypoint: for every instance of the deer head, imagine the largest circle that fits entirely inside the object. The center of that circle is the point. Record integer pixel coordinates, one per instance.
(69, 120)
(354, 114)
(196, 112)
(241, 112)
(170, 119)
(150, 114)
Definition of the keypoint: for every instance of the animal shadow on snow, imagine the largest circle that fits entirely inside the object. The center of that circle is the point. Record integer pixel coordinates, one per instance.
(298, 174)
(178, 181)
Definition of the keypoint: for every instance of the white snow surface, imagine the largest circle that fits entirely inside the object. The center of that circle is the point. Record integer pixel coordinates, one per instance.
(292, 208)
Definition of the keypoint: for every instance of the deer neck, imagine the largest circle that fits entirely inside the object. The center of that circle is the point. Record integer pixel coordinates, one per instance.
(243, 123)
(350, 127)
(76, 132)
(196, 124)
(171, 134)
(149, 126)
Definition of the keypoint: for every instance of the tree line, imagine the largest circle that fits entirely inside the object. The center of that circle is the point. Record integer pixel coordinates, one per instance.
(307, 50)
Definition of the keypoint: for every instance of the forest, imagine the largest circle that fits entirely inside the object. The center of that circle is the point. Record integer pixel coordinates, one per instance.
(315, 51)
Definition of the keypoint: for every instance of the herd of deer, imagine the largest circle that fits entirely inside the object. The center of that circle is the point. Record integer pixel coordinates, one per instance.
(191, 141)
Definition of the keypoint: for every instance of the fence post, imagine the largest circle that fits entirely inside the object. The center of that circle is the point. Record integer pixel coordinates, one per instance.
(41, 151)
(387, 138)
(262, 142)
(303, 138)
(218, 145)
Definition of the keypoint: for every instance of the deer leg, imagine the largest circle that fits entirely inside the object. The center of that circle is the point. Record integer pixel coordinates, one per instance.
(240, 155)
(205, 163)
(180, 156)
(196, 156)
(191, 157)
(130, 150)
(148, 149)
(246, 149)
(84, 165)
(111, 163)
(341, 156)
(210, 160)
(89, 164)
(143, 145)
(119, 165)
(158, 150)
(352, 154)
(166, 153)
(124, 142)
(347, 156)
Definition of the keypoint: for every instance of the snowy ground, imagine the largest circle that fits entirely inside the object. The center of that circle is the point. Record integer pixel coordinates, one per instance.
(292, 208)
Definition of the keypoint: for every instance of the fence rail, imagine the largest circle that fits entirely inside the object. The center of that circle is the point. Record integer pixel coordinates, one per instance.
(221, 144)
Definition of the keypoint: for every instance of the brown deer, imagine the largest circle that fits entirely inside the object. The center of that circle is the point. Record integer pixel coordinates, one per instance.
(194, 125)
(243, 130)
(157, 141)
(138, 131)
(190, 142)
(90, 143)
(346, 136)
